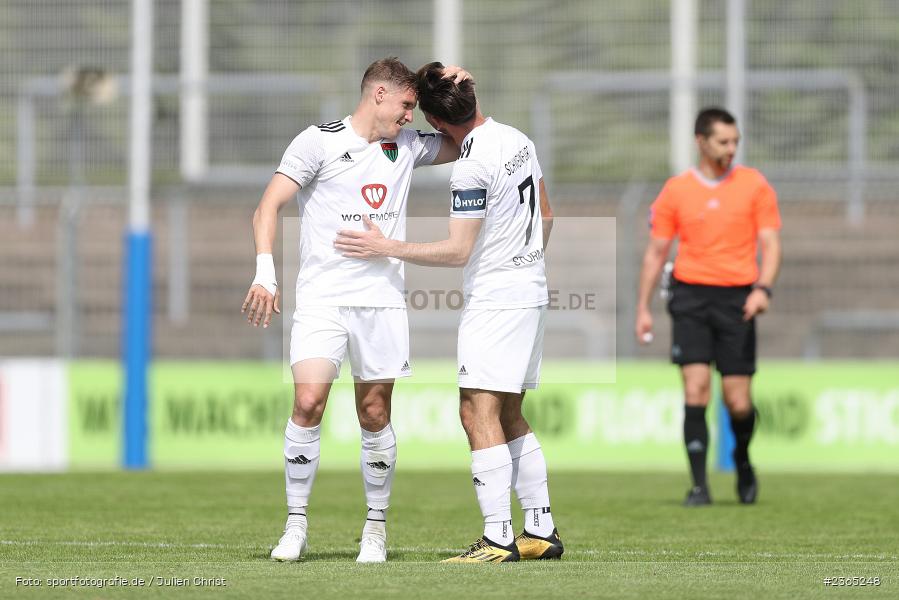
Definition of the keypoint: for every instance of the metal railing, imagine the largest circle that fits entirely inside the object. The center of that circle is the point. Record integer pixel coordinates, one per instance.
(661, 81)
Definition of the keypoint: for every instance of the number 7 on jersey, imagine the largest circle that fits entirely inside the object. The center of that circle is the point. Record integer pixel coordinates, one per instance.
(528, 184)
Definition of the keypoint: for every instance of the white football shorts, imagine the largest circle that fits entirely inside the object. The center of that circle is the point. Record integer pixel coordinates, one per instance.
(377, 339)
(501, 350)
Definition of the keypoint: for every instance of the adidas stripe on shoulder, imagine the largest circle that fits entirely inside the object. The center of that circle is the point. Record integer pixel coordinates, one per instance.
(332, 127)
(466, 148)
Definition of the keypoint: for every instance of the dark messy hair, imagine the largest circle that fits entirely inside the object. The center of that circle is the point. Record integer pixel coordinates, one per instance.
(439, 97)
(707, 118)
(389, 70)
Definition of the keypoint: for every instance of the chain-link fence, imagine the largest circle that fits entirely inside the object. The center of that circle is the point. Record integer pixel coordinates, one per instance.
(822, 83)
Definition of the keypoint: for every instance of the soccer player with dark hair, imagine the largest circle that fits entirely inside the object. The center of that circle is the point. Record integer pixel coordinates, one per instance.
(340, 171)
(500, 223)
(722, 214)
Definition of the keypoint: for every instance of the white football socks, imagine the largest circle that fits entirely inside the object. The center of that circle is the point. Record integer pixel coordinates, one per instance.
(378, 462)
(529, 481)
(301, 452)
(491, 470)
(499, 532)
(296, 517)
(375, 523)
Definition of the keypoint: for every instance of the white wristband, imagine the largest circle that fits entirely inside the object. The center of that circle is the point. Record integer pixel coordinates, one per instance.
(265, 273)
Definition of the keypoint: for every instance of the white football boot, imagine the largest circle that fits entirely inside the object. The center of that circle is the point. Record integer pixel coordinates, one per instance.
(291, 545)
(372, 547)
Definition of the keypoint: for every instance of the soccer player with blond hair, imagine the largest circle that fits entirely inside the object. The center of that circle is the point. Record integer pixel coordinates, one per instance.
(341, 172)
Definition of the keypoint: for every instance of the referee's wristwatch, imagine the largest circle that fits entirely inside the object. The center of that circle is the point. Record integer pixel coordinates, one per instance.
(764, 288)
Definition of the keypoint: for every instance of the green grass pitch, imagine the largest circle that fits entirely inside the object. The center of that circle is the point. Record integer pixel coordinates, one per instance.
(626, 536)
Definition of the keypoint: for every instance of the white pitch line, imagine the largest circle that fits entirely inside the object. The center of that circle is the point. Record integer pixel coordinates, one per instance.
(117, 543)
(107, 543)
(706, 554)
(660, 554)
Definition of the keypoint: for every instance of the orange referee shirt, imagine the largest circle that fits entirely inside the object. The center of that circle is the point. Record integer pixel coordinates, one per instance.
(717, 223)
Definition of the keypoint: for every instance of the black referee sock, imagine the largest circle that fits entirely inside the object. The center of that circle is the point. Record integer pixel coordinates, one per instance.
(696, 439)
(743, 430)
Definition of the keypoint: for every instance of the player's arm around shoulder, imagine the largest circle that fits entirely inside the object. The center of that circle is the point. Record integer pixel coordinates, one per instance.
(263, 297)
(449, 150)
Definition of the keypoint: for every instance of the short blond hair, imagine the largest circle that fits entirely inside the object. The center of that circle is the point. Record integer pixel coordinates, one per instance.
(389, 70)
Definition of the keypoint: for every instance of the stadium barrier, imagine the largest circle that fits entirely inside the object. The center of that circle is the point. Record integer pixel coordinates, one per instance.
(53, 415)
(34, 424)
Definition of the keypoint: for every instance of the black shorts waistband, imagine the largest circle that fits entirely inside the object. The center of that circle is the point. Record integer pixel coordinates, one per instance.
(702, 286)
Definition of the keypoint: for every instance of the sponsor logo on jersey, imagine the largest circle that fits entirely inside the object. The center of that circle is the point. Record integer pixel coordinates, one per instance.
(469, 200)
(376, 217)
(346, 157)
(374, 194)
(390, 150)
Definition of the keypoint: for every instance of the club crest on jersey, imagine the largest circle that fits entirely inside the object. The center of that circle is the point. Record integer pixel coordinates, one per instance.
(390, 150)
(374, 194)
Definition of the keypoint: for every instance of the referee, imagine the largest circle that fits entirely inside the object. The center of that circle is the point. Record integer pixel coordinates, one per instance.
(721, 214)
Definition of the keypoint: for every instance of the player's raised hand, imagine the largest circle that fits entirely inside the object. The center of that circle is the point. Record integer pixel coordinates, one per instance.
(259, 305)
(457, 74)
(366, 245)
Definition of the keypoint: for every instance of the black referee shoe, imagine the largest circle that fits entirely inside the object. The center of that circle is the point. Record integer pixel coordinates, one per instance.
(747, 484)
(698, 496)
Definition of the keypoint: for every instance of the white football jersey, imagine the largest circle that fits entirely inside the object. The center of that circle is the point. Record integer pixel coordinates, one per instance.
(497, 178)
(342, 177)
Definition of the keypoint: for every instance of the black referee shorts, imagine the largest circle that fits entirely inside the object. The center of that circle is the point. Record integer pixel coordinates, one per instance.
(708, 326)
